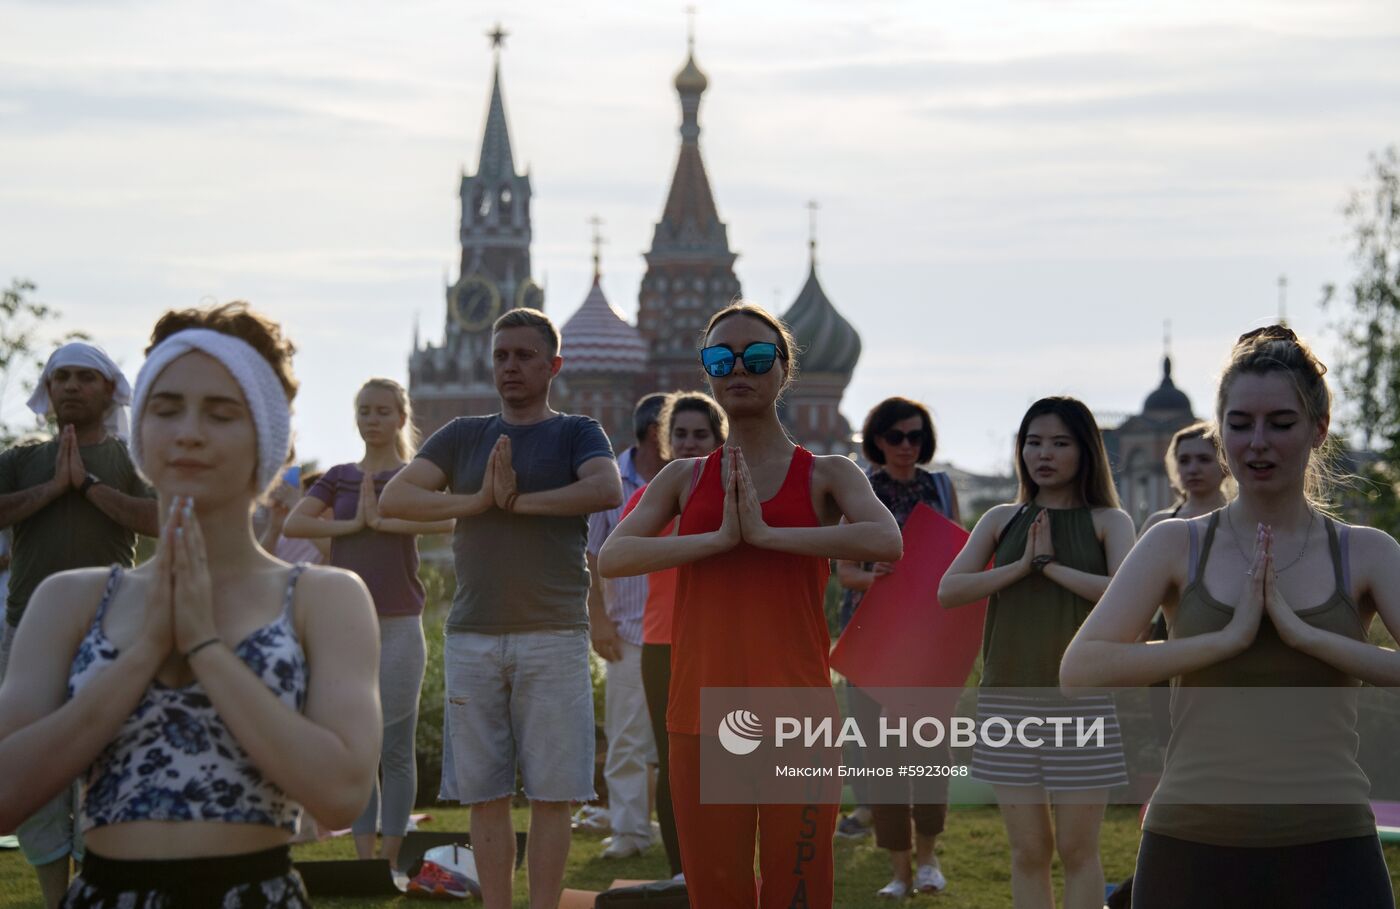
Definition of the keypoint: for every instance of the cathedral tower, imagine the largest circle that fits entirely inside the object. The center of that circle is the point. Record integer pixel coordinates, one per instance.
(493, 276)
(690, 268)
(830, 348)
(604, 359)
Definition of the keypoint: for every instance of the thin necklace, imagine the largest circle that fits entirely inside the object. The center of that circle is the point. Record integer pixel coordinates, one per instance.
(1249, 560)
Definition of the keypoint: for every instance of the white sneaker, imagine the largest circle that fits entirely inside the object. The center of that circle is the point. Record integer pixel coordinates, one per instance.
(894, 890)
(592, 819)
(615, 847)
(678, 878)
(929, 879)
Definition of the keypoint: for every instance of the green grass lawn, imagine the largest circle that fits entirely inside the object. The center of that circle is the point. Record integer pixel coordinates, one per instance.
(973, 853)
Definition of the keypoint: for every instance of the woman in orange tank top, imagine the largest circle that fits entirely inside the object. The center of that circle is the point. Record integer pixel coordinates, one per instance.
(1263, 593)
(760, 521)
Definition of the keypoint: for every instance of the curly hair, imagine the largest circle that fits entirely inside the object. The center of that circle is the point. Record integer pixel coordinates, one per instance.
(239, 320)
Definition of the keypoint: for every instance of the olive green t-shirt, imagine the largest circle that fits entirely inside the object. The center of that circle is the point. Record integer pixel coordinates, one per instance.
(69, 532)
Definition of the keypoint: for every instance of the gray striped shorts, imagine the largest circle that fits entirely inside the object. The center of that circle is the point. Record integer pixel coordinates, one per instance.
(1062, 767)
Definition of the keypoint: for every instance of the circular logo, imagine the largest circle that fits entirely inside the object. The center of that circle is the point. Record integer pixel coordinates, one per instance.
(740, 732)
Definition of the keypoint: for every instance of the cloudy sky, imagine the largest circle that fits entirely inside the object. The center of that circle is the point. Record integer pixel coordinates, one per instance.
(1014, 195)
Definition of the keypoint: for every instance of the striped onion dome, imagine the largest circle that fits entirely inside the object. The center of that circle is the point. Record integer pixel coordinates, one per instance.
(598, 339)
(827, 342)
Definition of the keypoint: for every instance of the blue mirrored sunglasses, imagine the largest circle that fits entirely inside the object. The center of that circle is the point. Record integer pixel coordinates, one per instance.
(758, 358)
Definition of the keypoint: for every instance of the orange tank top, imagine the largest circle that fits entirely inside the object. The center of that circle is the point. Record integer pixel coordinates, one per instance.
(749, 617)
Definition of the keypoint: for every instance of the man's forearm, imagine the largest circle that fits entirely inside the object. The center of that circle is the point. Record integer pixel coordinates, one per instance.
(17, 506)
(410, 503)
(580, 497)
(132, 512)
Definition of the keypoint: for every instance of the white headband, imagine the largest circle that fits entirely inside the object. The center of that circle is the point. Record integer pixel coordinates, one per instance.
(272, 415)
(86, 356)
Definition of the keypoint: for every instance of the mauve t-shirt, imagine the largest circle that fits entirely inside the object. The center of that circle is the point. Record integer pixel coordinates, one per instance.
(386, 562)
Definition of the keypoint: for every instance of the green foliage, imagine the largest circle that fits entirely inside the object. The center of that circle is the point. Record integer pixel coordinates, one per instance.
(1369, 372)
(438, 585)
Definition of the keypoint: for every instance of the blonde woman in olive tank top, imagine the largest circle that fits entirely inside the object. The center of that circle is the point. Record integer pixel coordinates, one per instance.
(1265, 592)
(1055, 549)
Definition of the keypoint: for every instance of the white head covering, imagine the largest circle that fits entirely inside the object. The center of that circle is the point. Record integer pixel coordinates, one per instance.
(81, 355)
(272, 414)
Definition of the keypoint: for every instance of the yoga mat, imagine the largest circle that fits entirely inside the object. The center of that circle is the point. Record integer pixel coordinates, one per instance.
(1387, 821)
(900, 637)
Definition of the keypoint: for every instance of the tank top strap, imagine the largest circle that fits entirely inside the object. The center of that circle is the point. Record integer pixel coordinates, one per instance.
(1344, 546)
(289, 597)
(1193, 553)
(1001, 534)
(1339, 566)
(1200, 556)
(114, 579)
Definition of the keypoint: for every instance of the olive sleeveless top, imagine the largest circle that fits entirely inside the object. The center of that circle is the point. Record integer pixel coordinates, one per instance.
(1268, 750)
(1030, 623)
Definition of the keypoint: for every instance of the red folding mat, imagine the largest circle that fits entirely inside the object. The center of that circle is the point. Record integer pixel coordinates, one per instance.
(900, 637)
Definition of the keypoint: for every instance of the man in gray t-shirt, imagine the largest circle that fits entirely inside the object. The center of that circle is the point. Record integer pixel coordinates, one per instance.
(536, 576)
(520, 485)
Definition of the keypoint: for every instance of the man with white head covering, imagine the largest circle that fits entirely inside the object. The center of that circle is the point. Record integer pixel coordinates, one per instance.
(72, 501)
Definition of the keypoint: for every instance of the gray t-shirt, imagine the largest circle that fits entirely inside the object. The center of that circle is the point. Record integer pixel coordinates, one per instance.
(518, 572)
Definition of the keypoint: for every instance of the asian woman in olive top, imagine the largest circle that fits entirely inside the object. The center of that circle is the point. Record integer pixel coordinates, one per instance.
(1055, 549)
(1266, 591)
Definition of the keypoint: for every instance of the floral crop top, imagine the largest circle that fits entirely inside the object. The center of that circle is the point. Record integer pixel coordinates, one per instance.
(174, 759)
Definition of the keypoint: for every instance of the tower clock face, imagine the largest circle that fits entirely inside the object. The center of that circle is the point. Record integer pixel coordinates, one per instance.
(530, 295)
(475, 303)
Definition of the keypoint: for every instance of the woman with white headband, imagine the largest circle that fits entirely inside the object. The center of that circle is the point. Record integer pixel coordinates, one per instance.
(205, 697)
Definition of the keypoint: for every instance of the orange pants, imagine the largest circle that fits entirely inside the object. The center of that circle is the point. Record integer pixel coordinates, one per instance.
(717, 845)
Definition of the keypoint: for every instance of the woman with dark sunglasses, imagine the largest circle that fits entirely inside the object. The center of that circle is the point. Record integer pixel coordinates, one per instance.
(762, 516)
(897, 437)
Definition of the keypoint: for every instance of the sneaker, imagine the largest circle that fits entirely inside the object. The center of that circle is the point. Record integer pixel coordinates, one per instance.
(929, 879)
(592, 819)
(678, 878)
(616, 847)
(435, 882)
(850, 828)
(894, 890)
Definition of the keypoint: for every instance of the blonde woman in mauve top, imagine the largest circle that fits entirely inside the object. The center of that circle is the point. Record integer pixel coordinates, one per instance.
(207, 696)
(343, 507)
(1261, 802)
